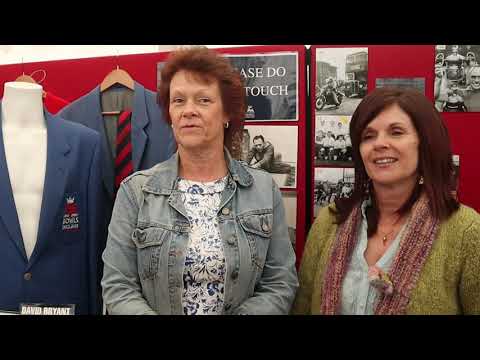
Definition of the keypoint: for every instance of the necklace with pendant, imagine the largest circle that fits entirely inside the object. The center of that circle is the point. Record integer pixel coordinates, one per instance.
(385, 237)
(387, 234)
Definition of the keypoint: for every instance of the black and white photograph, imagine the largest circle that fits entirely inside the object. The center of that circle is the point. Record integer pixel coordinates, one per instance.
(457, 78)
(417, 83)
(332, 141)
(271, 85)
(273, 149)
(331, 184)
(341, 81)
(290, 204)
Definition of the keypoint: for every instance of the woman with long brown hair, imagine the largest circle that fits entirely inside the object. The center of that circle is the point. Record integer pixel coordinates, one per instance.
(401, 243)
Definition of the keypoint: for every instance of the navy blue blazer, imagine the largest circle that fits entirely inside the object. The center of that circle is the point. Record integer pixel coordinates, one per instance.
(152, 138)
(64, 265)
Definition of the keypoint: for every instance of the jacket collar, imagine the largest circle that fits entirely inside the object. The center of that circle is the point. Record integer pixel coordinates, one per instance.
(165, 176)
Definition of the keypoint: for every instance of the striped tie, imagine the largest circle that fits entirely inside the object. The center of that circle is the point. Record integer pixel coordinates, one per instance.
(123, 160)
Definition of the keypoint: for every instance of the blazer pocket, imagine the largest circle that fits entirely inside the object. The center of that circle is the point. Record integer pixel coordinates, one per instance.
(149, 243)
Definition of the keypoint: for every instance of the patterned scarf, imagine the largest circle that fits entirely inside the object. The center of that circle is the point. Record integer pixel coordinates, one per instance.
(405, 270)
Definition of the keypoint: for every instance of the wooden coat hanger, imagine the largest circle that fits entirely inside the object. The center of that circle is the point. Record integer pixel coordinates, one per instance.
(117, 76)
(29, 79)
(25, 78)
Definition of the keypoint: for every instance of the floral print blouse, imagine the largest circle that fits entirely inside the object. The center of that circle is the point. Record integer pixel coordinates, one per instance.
(204, 271)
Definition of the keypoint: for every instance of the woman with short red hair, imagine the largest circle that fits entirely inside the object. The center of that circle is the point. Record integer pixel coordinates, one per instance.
(200, 233)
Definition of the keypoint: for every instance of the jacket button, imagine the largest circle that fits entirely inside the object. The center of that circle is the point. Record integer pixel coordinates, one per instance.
(265, 227)
(234, 274)
(231, 241)
(27, 276)
(225, 211)
(140, 235)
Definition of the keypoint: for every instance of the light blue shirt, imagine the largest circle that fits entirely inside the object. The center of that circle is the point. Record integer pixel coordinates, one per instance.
(358, 296)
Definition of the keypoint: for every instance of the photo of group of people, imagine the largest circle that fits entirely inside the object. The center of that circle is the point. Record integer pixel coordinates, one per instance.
(273, 149)
(457, 78)
(341, 80)
(332, 141)
(330, 184)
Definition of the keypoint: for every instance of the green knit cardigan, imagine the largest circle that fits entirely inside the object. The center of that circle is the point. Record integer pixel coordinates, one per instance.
(449, 282)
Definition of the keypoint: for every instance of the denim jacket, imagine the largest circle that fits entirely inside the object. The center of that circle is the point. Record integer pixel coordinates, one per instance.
(148, 238)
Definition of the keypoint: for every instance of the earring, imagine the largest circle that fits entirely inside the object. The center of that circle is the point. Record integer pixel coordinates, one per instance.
(421, 181)
(226, 125)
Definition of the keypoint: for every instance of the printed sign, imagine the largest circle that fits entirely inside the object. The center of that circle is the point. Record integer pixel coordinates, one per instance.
(44, 309)
(271, 85)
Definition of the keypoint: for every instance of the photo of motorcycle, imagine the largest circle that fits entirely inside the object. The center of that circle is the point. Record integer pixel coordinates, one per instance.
(325, 97)
(340, 80)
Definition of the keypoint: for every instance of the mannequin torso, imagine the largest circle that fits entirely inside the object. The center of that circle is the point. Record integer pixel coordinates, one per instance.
(25, 140)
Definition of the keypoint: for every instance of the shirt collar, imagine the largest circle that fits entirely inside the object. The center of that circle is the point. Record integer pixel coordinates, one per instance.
(366, 203)
(165, 177)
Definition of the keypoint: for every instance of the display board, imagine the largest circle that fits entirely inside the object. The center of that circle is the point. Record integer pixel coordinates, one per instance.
(359, 69)
(276, 89)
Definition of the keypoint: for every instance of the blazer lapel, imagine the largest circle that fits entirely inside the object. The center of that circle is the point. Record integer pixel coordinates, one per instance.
(140, 120)
(55, 181)
(94, 112)
(8, 209)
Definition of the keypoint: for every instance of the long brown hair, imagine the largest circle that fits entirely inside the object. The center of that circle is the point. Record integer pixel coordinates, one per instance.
(209, 66)
(435, 156)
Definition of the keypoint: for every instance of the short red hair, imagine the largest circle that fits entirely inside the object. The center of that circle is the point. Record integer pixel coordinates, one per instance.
(209, 66)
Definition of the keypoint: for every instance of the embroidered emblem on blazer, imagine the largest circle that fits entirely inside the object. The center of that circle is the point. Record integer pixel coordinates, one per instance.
(70, 218)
